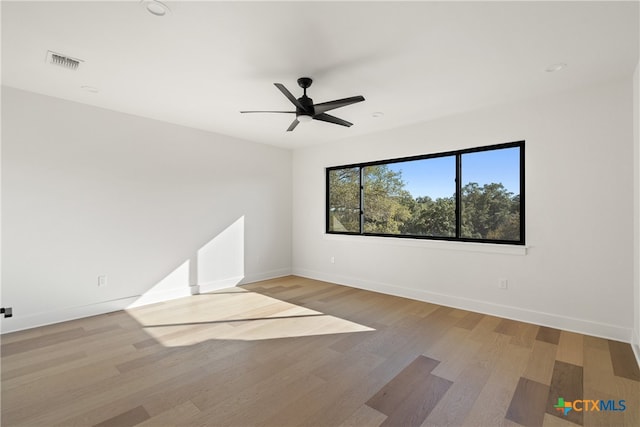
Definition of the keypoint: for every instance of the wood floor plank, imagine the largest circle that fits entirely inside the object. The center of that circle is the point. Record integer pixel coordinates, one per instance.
(551, 421)
(418, 404)
(596, 342)
(345, 362)
(231, 369)
(321, 401)
(525, 335)
(599, 383)
(449, 343)
(490, 407)
(549, 335)
(364, 416)
(349, 341)
(570, 348)
(507, 327)
(89, 344)
(602, 418)
(454, 407)
(631, 391)
(458, 314)
(296, 351)
(485, 329)
(119, 394)
(528, 404)
(566, 384)
(126, 419)
(469, 321)
(347, 400)
(174, 416)
(28, 344)
(265, 404)
(44, 395)
(623, 360)
(105, 358)
(145, 343)
(69, 337)
(8, 374)
(402, 333)
(387, 399)
(541, 362)
(455, 350)
(264, 385)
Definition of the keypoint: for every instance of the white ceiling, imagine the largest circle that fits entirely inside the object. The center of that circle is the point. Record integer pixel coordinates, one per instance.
(414, 61)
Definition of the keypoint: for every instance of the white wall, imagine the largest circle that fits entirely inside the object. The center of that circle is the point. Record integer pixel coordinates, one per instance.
(154, 206)
(87, 191)
(578, 267)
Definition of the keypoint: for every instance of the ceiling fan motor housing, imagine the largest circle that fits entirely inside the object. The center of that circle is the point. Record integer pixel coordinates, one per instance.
(307, 103)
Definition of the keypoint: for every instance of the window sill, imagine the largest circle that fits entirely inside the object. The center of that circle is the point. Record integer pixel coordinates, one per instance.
(488, 248)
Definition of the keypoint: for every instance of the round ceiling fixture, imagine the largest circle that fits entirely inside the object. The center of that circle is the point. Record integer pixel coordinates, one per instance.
(155, 7)
(556, 67)
(304, 118)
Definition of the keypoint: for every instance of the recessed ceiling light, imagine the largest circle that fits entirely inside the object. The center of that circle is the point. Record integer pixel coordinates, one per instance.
(556, 67)
(155, 7)
(91, 89)
(377, 114)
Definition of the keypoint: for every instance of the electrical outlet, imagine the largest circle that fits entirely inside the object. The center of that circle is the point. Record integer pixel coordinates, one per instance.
(102, 280)
(7, 311)
(503, 284)
(333, 260)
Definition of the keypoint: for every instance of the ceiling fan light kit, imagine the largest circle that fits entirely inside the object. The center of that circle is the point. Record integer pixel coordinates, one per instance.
(306, 110)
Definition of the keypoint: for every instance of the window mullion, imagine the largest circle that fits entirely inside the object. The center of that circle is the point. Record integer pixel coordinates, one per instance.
(361, 200)
(458, 195)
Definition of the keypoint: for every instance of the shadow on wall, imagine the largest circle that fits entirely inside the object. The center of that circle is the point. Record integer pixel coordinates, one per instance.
(216, 265)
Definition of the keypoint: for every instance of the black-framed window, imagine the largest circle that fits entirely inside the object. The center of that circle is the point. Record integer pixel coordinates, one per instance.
(467, 195)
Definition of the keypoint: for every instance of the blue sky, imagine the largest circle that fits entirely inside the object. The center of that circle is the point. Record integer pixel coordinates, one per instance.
(436, 177)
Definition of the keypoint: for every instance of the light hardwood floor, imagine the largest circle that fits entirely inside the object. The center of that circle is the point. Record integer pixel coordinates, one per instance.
(294, 351)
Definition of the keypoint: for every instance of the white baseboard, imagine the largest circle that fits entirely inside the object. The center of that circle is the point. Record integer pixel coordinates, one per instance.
(267, 275)
(521, 314)
(169, 294)
(219, 284)
(242, 280)
(21, 321)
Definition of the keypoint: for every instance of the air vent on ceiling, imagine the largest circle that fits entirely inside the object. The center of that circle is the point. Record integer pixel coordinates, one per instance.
(64, 61)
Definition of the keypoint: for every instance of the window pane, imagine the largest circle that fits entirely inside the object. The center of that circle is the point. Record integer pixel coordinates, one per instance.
(344, 200)
(385, 200)
(491, 195)
(415, 197)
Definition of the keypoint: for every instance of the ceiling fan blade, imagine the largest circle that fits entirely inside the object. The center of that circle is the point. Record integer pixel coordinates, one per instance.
(289, 96)
(267, 112)
(293, 125)
(332, 119)
(330, 105)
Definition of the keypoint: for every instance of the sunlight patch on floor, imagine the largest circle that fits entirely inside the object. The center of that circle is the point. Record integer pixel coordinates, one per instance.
(235, 314)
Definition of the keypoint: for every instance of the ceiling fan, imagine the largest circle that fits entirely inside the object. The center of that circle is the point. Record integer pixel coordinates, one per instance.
(306, 110)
